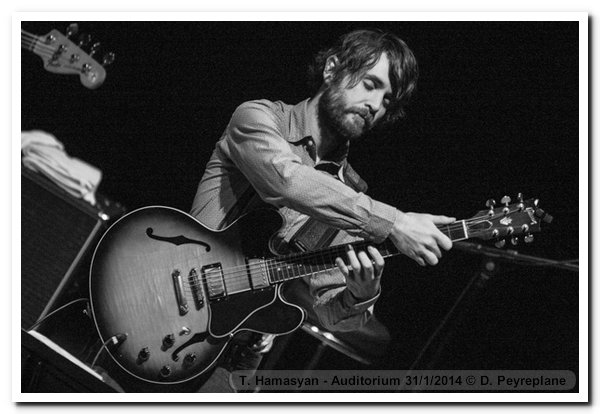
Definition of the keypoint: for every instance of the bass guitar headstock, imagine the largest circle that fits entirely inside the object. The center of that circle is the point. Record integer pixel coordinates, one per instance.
(508, 221)
(61, 55)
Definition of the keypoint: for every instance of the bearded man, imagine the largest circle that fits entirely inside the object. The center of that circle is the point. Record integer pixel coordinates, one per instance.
(294, 158)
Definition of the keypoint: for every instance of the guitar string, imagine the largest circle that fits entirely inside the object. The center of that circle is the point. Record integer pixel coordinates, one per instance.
(239, 273)
(33, 39)
(48, 51)
(50, 54)
(242, 273)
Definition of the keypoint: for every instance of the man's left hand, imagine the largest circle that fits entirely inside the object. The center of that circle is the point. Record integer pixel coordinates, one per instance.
(362, 272)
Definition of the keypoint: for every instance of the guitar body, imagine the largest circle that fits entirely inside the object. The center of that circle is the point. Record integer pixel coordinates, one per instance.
(158, 297)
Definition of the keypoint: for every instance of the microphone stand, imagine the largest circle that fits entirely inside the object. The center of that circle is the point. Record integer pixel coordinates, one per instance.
(443, 334)
(514, 256)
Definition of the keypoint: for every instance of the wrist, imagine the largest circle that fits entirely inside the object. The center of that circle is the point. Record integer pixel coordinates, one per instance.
(358, 298)
(399, 221)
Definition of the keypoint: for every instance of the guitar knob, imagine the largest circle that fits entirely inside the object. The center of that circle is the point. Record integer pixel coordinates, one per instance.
(500, 243)
(528, 238)
(165, 371)
(189, 359)
(168, 341)
(144, 354)
(514, 241)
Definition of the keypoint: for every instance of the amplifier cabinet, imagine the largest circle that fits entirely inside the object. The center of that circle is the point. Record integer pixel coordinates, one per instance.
(58, 235)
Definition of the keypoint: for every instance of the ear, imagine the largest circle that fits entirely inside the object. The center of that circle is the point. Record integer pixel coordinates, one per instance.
(330, 65)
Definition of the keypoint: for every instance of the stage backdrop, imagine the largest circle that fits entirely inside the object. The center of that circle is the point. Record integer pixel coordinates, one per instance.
(495, 113)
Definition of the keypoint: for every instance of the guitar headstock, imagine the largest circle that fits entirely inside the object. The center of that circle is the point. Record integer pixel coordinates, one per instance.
(62, 56)
(522, 218)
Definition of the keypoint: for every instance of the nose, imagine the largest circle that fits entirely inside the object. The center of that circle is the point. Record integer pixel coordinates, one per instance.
(375, 102)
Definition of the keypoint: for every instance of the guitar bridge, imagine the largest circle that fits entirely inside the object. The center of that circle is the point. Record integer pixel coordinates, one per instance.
(196, 289)
(213, 278)
(179, 294)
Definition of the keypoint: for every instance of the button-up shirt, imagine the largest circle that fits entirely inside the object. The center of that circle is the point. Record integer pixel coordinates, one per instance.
(266, 154)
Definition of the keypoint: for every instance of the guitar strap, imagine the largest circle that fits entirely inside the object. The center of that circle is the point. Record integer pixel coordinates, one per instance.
(314, 234)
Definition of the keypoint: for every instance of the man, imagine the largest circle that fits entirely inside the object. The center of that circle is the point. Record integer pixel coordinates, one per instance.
(295, 158)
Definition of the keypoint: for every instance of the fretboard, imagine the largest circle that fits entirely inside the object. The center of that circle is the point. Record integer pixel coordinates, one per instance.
(284, 268)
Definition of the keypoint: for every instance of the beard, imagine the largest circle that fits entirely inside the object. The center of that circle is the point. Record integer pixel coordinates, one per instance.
(342, 122)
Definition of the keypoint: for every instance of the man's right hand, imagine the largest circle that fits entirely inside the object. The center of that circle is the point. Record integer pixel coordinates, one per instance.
(417, 236)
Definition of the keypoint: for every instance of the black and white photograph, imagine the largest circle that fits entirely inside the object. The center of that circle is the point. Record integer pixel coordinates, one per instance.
(299, 207)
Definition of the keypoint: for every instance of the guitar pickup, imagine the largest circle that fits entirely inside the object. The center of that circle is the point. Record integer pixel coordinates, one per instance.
(213, 277)
(258, 273)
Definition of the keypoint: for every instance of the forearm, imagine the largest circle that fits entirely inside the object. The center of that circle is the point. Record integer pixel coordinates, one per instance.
(259, 151)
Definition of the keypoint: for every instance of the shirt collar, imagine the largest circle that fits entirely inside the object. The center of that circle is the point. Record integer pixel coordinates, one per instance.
(300, 130)
(299, 126)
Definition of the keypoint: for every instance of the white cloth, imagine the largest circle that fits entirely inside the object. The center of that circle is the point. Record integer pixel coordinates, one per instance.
(44, 153)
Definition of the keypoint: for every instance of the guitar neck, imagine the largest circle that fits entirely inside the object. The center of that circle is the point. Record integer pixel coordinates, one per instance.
(284, 268)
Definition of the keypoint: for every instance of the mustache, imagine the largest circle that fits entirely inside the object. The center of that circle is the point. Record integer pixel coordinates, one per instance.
(364, 113)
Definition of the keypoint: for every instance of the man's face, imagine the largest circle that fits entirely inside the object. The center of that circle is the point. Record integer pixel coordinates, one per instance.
(351, 111)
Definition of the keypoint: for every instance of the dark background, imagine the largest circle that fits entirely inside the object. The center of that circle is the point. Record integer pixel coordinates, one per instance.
(496, 112)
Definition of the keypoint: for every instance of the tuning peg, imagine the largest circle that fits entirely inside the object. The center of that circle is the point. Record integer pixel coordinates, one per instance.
(506, 201)
(108, 59)
(521, 206)
(95, 48)
(490, 204)
(72, 30)
(500, 243)
(528, 238)
(84, 40)
(514, 241)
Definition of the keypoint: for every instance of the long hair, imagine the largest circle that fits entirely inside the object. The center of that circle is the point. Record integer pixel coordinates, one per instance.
(359, 51)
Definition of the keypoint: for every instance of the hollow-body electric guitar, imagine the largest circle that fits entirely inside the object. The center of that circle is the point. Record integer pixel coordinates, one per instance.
(167, 293)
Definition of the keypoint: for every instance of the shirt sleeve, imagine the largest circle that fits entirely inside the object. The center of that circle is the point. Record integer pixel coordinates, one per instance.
(257, 146)
(335, 306)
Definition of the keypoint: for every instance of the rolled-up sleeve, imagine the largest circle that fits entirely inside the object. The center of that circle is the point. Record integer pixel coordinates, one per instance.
(256, 145)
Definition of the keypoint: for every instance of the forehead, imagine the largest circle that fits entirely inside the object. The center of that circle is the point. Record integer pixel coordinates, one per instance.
(380, 72)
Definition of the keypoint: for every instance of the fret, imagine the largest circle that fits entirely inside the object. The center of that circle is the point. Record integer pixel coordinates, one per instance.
(456, 231)
(285, 271)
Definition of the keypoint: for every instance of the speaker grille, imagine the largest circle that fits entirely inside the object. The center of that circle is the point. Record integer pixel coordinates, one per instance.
(57, 231)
